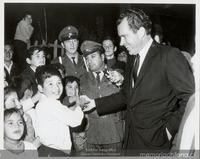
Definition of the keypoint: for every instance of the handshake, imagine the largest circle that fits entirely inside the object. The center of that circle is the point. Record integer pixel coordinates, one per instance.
(86, 103)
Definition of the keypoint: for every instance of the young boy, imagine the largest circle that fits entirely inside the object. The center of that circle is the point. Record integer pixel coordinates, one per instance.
(52, 118)
(35, 56)
(72, 89)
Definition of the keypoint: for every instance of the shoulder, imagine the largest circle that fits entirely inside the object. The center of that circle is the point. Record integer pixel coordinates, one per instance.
(29, 146)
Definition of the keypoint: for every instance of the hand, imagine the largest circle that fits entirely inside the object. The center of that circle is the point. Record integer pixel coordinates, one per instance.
(115, 77)
(89, 103)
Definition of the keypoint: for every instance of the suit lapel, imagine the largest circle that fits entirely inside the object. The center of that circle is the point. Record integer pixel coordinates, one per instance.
(146, 64)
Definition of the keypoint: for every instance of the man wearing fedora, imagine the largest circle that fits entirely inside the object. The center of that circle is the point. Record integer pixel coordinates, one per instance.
(105, 132)
(71, 59)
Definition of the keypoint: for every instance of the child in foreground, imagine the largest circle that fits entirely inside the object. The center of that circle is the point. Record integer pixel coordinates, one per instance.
(11, 100)
(14, 128)
(53, 118)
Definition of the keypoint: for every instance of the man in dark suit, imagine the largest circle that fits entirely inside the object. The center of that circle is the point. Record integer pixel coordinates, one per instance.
(155, 94)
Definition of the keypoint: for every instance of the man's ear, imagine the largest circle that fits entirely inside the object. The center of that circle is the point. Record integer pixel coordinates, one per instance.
(62, 44)
(28, 61)
(40, 88)
(141, 32)
(103, 57)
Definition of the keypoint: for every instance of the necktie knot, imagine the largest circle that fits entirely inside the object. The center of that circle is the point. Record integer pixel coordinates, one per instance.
(73, 60)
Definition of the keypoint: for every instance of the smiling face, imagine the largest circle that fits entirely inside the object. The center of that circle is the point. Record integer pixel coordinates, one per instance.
(71, 89)
(8, 53)
(130, 40)
(13, 127)
(52, 87)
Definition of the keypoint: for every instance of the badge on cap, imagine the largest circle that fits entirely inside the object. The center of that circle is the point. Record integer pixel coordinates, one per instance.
(67, 33)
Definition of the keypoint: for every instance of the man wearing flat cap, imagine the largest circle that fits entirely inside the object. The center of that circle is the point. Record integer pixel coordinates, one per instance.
(71, 59)
(105, 132)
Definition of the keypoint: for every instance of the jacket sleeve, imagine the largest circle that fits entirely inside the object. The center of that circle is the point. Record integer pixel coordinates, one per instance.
(180, 77)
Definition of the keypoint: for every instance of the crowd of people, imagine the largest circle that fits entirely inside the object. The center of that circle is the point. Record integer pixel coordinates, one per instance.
(95, 103)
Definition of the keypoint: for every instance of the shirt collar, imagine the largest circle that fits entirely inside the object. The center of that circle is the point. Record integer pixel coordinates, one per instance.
(143, 53)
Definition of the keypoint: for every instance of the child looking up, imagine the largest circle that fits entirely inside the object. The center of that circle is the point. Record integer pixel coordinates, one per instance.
(52, 118)
(14, 127)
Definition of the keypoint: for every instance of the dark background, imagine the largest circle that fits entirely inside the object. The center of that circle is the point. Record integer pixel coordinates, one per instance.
(95, 20)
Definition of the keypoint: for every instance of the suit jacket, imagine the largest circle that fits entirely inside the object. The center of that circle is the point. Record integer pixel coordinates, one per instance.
(70, 69)
(156, 102)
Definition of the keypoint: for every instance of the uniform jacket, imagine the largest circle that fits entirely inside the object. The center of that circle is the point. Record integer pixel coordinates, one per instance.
(157, 100)
(70, 69)
(102, 129)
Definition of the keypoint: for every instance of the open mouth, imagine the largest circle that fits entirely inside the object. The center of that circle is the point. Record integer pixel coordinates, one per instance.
(17, 132)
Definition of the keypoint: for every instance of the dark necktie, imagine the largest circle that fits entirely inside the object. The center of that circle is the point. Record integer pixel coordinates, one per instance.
(135, 67)
(98, 76)
(73, 60)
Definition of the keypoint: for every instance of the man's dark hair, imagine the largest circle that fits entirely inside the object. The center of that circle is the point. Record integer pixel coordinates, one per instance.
(136, 19)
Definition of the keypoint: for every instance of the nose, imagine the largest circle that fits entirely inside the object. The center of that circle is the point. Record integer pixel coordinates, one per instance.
(17, 104)
(106, 47)
(72, 43)
(121, 41)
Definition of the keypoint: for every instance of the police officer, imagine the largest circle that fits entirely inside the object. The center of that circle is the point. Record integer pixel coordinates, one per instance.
(105, 132)
(71, 59)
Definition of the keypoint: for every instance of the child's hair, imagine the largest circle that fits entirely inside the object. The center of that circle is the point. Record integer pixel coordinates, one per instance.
(7, 91)
(44, 72)
(71, 79)
(9, 112)
(32, 49)
(21, 84)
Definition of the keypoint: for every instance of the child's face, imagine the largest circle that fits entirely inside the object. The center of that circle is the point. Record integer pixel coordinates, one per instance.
(12, 101)
(52, 87)
(71, 89)
(13, 127)
(37, 59)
